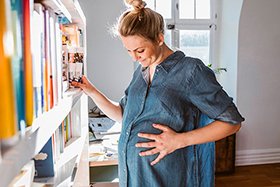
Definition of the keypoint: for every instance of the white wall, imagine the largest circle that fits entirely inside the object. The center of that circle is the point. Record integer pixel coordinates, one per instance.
(109, 65)
(228, 22)
(258, 83)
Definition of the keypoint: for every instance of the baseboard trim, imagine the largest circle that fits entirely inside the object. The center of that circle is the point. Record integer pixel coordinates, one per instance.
(259, 156)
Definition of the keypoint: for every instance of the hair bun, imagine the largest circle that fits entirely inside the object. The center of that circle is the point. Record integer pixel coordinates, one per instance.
(136, 4)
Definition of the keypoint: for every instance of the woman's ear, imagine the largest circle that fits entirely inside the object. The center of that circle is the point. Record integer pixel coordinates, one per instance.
(160, 39)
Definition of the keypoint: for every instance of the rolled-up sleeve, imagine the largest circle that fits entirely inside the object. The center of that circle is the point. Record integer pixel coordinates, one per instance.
(231, 115)
(208, 95)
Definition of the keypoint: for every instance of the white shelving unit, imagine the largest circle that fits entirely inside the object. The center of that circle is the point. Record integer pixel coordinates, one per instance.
(72, 168)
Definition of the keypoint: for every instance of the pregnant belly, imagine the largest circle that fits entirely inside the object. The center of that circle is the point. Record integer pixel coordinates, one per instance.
(132, 151)
(174, 163)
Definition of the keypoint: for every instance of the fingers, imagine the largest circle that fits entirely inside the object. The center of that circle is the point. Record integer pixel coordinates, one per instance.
(82, 84)
(149, 152)
(148, 136)
(163, 128)
(146, 144)
(158, 144)
(84, 79)
(160, 156)
(77, 84)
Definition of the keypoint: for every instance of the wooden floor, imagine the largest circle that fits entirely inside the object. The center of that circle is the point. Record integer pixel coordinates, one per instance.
(251, 176)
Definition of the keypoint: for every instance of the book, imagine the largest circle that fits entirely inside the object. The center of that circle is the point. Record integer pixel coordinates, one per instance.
(61, 137)
(28, 71)
(37, 30)
(68, 127)
(44, 161)
(64, 69)
(8, 119)
(56, 145)
(40, 52)
(47, 62)
(53, 62)
(17, 62)
(58, 40)
(76, 120)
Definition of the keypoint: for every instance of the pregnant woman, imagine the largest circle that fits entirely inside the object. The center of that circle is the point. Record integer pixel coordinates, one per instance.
(171, 112)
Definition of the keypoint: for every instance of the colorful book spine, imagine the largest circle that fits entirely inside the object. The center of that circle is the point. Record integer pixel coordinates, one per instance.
(17, 62)
(36, 54)
(8, 119)
(58, 40)
(46, 68)
(40, 9)
(57, 144)
(67, 129)
(61, 137)
(29, 111)
(54, 93)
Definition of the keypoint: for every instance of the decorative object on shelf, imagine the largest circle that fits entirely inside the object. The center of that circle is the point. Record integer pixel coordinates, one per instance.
(44, 162)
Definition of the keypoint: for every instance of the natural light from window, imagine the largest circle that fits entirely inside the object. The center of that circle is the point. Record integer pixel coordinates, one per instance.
(190, 32)
(194, 9)
(195, 43)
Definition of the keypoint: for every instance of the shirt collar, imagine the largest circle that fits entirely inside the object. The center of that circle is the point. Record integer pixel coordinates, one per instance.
(166, 65)
(171, 60)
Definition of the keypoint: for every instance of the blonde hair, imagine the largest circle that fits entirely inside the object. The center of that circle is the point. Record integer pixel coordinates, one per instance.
(140, 21)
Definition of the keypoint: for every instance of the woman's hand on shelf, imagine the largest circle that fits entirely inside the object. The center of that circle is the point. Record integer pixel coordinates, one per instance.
(85, 85)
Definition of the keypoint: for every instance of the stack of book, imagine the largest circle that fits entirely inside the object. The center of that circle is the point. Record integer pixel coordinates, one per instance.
(40, 55)
(40, 115)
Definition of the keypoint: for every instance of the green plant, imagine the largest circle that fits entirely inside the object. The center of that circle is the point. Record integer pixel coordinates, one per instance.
(217, 70)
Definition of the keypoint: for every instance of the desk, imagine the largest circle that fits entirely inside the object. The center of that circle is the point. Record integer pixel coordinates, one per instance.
(103, 155)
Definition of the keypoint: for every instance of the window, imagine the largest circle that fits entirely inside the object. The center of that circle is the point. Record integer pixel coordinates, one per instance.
(190, 24)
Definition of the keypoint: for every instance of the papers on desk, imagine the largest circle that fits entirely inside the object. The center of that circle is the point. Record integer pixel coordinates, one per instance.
(107, 148)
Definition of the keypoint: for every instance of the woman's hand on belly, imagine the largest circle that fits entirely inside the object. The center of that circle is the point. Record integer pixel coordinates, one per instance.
(163, 144)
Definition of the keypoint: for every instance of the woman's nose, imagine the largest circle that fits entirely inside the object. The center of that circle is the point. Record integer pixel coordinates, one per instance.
(134, 56)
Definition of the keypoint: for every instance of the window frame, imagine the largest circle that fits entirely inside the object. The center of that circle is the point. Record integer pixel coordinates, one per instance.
(192, 24)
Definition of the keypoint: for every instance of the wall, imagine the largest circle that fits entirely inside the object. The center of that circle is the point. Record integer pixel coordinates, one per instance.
(258, 82)
(228, 22)
(109, 65)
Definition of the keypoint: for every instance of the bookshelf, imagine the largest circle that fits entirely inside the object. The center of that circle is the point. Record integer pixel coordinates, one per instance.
(71, 165)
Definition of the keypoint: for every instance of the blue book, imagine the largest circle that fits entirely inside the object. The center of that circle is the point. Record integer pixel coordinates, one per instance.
(44, 162)
(17, 64)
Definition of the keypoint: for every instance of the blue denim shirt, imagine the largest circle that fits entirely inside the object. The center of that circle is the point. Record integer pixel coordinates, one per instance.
(184, 95)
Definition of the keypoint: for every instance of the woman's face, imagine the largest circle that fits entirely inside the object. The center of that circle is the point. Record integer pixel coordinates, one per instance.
(142, 50)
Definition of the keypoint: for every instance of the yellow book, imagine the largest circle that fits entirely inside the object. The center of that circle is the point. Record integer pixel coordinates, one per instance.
(29, 112)
(8, 118)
